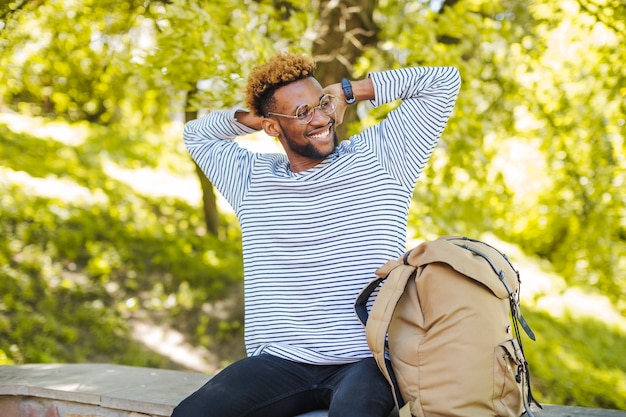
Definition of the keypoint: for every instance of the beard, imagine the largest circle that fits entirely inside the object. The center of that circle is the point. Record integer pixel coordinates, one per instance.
(309, 150)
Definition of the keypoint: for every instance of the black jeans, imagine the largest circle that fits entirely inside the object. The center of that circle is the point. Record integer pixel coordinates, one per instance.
(267, 386)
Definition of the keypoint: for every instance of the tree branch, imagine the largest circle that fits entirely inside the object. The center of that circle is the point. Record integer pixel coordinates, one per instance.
(587, 7)
(8, 12)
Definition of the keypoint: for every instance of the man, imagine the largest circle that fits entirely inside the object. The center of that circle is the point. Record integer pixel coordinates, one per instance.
(316, 223)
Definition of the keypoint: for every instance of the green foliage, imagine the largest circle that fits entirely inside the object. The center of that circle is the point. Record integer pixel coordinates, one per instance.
(460, 191)
(574, 96)
(82, 254)
(228, 38)
(534, 153)
(535, 149)
(74, 60)
(574, 361)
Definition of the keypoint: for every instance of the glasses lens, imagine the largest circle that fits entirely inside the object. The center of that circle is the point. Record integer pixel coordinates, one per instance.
(328, 104)
(304, 112)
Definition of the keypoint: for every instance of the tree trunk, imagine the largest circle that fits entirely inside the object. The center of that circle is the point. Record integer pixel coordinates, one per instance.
(344, 30)
(209, 201)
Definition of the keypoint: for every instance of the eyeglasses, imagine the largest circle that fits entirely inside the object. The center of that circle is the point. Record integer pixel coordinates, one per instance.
(305, 112)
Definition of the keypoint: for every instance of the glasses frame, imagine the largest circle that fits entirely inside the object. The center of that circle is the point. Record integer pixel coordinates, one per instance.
(333, 101)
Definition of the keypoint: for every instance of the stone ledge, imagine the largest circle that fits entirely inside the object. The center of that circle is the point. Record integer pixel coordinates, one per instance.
(133, 389)
(103, 390)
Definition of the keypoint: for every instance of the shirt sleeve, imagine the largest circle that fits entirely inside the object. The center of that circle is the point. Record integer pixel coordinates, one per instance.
(405, 140)
(227, 165)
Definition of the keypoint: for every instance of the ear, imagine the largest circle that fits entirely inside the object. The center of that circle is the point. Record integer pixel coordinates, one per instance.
(271, 127)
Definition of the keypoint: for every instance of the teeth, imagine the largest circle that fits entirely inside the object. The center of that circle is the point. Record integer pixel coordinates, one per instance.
(321, 135)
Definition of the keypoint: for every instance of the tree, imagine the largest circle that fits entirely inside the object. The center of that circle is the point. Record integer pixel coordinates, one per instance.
(72, 59)
(573, 99)
(542, 84)
(535, 150)
(227, 38)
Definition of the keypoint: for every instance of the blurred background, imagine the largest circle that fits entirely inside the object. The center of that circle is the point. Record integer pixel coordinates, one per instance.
(114, 248)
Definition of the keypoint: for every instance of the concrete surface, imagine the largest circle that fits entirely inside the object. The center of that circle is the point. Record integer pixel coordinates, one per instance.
(103, 390)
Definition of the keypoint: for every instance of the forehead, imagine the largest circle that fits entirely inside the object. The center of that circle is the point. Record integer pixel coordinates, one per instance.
(305, 91)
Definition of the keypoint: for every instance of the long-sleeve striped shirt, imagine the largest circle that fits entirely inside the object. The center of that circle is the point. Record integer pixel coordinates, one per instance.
(311, 240)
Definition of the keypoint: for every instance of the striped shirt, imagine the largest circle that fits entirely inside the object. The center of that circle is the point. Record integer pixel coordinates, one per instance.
(313, 239)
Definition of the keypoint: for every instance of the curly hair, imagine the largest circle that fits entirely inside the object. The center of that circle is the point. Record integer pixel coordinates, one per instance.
(265, 79)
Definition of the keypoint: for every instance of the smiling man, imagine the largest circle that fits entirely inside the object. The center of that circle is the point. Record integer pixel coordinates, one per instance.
(316, 223)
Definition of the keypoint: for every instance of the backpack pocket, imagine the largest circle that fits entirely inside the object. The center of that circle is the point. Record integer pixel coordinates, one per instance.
(507, 389)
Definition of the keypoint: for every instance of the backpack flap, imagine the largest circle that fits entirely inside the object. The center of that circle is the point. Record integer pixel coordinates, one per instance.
(471, 258)
(476, 260)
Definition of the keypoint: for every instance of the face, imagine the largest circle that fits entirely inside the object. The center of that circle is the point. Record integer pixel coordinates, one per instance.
(306, 145)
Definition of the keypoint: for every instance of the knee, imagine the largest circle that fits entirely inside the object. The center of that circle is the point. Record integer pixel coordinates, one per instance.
(186, 408)
(178, 411)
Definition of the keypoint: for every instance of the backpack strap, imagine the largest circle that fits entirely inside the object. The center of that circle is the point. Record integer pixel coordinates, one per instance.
(360, 305)
(377, 323)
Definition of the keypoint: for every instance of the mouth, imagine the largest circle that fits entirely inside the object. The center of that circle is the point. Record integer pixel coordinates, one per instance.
(324, 134)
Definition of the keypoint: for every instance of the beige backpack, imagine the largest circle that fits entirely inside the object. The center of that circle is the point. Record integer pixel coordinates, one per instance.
(447, 316)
